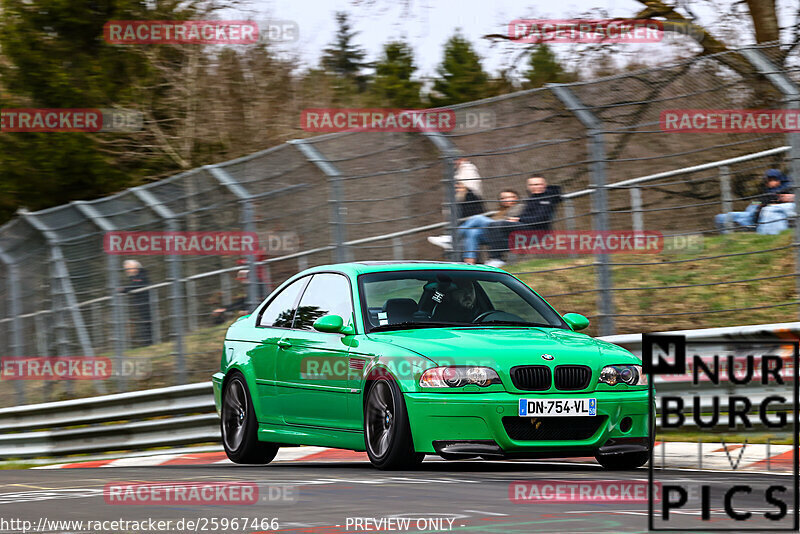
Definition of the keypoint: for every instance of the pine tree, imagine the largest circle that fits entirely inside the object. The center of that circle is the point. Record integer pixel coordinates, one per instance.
(544, 68)
(392, 84)
(343, 58)
(461, 77)
(54, 57)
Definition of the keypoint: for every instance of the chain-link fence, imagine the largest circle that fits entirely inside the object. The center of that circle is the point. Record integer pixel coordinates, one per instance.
(379, 196)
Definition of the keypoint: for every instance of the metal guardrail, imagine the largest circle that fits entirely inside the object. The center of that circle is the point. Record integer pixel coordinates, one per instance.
(138, 420)
(185, 415)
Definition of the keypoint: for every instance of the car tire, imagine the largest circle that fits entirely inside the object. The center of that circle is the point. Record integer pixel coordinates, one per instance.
(387, 433)
(239, 426)
(628, 460)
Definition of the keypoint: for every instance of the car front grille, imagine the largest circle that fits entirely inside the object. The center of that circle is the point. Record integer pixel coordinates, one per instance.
(572, 377)
(568, 428)
(531, 377)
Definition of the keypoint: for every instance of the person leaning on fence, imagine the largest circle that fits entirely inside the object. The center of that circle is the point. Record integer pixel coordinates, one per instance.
(238, 305)
(480, 229)
(504, 220)
(139, 302)
(540, 206)
(467, 196)
(469, 199)
(775, 183)
(777, 210)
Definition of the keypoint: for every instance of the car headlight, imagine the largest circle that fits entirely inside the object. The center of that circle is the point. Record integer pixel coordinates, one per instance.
(456, 377)
(626, 374)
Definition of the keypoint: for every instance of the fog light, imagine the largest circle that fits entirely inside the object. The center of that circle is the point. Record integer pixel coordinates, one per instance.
(626, 424)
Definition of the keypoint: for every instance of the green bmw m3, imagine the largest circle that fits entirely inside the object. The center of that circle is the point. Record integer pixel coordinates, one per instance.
(407, 359)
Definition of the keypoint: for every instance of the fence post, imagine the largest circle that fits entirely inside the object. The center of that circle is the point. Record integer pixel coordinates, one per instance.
(636, 209)
(254, 290)
(597, 153)
(569, 214)
(15, 311)
(397, 248)
(176, 288)
(449, 152)
(338, 211)
(112, 269)
(62, 288)
(155, 315)
(791, 93)
(191, 304)
(726, 193)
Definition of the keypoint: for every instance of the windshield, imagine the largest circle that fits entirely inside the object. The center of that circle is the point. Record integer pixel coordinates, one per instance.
(409, 299)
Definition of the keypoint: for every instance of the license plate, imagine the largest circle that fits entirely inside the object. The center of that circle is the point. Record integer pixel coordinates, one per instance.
(557, 407)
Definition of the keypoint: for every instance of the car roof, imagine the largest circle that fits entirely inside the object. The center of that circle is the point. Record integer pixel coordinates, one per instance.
(361, 267)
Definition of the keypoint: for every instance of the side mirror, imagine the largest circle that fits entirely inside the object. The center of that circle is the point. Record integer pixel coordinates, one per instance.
(576, 321)
(333, 324)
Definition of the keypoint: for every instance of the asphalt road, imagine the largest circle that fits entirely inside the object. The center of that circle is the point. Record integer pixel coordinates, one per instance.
(330, 497)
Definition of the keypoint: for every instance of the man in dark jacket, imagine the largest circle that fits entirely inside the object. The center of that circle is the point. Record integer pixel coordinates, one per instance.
(139, 305)
(540, 206)
(776, 185)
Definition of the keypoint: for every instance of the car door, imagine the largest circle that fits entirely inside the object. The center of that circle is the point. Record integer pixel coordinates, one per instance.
(272, 324)
(311, 366)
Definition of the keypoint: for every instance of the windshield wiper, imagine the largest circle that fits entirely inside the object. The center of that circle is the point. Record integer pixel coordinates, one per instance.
(516, 323)
(405, 325)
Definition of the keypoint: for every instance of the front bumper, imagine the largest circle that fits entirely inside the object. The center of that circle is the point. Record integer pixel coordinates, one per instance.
(478, 417)
(216, 384)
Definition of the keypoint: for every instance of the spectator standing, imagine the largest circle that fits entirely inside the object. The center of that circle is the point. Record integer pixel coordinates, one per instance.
(468, 198)
(139, 303)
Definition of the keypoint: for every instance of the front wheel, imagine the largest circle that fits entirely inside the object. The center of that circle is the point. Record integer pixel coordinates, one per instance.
(240, 427)
(387, 433)
(628, 460)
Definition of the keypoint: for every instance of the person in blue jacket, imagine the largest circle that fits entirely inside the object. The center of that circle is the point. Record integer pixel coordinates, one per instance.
(775, 184)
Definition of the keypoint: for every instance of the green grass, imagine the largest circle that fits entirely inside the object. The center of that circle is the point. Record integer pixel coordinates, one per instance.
(723, 267)
(18, 465)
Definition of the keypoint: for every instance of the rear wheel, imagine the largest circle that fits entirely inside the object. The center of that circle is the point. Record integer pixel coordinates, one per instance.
(387, 433)
(240, 427)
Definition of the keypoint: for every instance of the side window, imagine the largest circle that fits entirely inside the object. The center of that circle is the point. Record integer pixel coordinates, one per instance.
(327, 293)
(280, 311)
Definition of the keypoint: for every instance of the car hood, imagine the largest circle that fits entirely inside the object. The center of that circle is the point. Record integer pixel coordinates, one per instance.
(503, 348)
